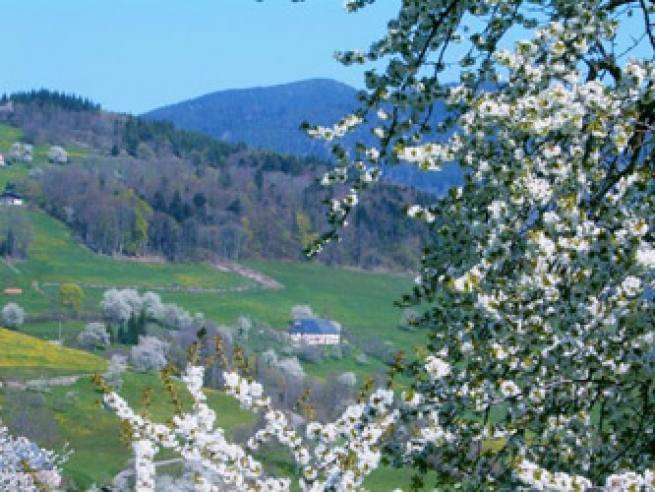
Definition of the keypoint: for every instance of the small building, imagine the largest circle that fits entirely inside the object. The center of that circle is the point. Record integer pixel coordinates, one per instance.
(11, 198)
(13, 291)
(313, 331)
(2, 161)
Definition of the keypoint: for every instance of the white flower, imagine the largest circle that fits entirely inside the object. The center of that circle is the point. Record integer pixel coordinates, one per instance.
(646, 256)
(539, 189)
(437, 368)
(631, 286)
(509, 389)
(498, 351)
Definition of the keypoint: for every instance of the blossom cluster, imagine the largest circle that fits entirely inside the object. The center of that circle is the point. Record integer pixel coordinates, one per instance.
(25, 467)
(539, 479)
(337, 456)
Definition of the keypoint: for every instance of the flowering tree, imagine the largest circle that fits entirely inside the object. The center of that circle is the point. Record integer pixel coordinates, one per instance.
(539, 368)
(24, 467)
(335, 456)
(121, 305)
(540, 265)
(149, 354)
(57, 155)
(13, 315)
(94, 335)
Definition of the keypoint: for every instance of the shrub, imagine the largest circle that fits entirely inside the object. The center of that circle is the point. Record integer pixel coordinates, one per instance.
(13, 316)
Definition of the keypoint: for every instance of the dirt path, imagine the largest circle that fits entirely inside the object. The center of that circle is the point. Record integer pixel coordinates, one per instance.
(189, 290)
(260, 281)
(10, 266)
(223, 265)
(263, 280)
(44, 382)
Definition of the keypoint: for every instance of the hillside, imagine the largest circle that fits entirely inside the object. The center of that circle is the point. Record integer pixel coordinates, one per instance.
(361, 301)
(99, 220)
(23, 354)
(78, 422)
(270, 118)
(185, 196)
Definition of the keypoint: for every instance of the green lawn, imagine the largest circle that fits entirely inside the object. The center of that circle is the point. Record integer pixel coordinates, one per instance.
(49, 330)
(56, 257)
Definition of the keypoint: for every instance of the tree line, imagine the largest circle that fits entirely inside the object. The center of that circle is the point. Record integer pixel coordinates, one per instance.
(148, 188)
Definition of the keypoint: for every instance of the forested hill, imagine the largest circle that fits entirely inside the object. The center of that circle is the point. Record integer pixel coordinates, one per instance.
(137, 187)
(270, 118)
(265, 117)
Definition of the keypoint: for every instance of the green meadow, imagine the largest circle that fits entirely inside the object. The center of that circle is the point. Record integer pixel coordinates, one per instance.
(363, 302)
(55, 257)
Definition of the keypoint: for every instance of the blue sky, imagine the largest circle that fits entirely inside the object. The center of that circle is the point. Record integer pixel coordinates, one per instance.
(135, 55)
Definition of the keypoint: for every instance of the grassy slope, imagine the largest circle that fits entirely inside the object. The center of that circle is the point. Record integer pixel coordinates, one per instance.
(56, 257)
(362, 302)
(22, 352)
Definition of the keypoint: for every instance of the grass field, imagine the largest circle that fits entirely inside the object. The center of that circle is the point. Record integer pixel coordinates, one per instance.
(55, 257)
(361, 301)
(19, 352)
(49, 330)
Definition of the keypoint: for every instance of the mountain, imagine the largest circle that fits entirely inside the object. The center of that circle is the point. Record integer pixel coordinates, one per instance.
(270, 118)
(265, 117)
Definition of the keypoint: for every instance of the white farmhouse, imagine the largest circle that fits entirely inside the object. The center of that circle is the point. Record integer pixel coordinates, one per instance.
(313, 331)
(11, 198)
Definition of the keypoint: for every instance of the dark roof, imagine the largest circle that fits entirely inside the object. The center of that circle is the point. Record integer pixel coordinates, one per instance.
(313, 326)
(10, 194)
